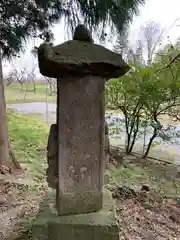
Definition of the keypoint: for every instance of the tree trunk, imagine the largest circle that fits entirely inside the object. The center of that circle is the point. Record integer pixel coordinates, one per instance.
(6, 155)
(127, 141)
(34, 86)
(135, 134)
(150, 143)
(131, 139)
(144, 139)
(22, 86)
(15, 163)
(50, 88)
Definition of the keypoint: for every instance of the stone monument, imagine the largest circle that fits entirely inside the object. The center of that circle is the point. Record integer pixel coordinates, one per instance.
(76, 146)
(52, 155)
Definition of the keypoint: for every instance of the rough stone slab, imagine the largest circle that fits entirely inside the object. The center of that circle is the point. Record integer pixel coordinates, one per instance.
(80, 145)
(91, 226)
(73, 203)
(77, 58)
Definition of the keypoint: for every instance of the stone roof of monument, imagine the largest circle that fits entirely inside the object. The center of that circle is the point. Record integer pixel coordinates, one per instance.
(76, 58)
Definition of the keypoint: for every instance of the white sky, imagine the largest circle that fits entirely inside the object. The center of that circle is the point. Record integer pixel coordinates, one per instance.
(164, 12)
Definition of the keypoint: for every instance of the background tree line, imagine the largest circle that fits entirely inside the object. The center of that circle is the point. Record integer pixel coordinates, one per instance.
(149, 91)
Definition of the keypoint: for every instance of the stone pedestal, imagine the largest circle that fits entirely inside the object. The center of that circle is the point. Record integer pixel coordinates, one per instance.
(80, 144)
(91, 226)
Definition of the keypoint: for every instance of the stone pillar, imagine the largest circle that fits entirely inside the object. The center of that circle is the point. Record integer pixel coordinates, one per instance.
(76, 155)
(81, 68)
(80, 144)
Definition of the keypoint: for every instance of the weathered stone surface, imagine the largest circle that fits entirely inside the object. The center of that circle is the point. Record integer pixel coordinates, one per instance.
(81, 144)
(107, 146)
(52, 155)
(81, 33)
(76, 163)
(78, 58)
(91, 226)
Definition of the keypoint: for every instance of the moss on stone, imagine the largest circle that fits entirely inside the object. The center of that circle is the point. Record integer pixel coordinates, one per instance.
(76, 203)
(91, 226)
(79, 58)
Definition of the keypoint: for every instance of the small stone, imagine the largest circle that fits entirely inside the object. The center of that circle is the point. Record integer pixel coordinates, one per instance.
(174, 218)
(21, 212)
(2, 199)
(81, 33)
(145, 188)
(4, 170)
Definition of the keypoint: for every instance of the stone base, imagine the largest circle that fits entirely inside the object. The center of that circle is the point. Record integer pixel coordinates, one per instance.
(91, 226)
(69, 204)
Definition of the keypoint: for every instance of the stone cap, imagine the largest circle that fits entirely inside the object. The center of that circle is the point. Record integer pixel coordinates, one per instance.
(78, 58)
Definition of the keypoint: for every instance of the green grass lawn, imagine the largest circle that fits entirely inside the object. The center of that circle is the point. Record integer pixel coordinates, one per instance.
(29, 139)
(40, 87)
(164, 178)
(14, 94)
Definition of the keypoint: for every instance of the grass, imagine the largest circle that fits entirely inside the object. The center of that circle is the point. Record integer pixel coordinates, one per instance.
(29, 138)
(23, 191)
(14, 94)
(137, 172)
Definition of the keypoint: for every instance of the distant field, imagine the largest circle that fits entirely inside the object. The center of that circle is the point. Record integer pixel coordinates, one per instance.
(14, 94)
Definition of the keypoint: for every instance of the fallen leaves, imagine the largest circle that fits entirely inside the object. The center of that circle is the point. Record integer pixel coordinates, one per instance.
(161, 221)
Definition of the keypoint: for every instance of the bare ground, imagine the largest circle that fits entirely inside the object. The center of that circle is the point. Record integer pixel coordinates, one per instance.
(147, 195)
(19, 201)
(146, 218)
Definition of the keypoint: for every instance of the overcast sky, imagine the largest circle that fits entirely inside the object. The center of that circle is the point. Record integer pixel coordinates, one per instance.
(164, 12)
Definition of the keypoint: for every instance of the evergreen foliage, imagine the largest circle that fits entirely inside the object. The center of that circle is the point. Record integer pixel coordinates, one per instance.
(22, 19)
